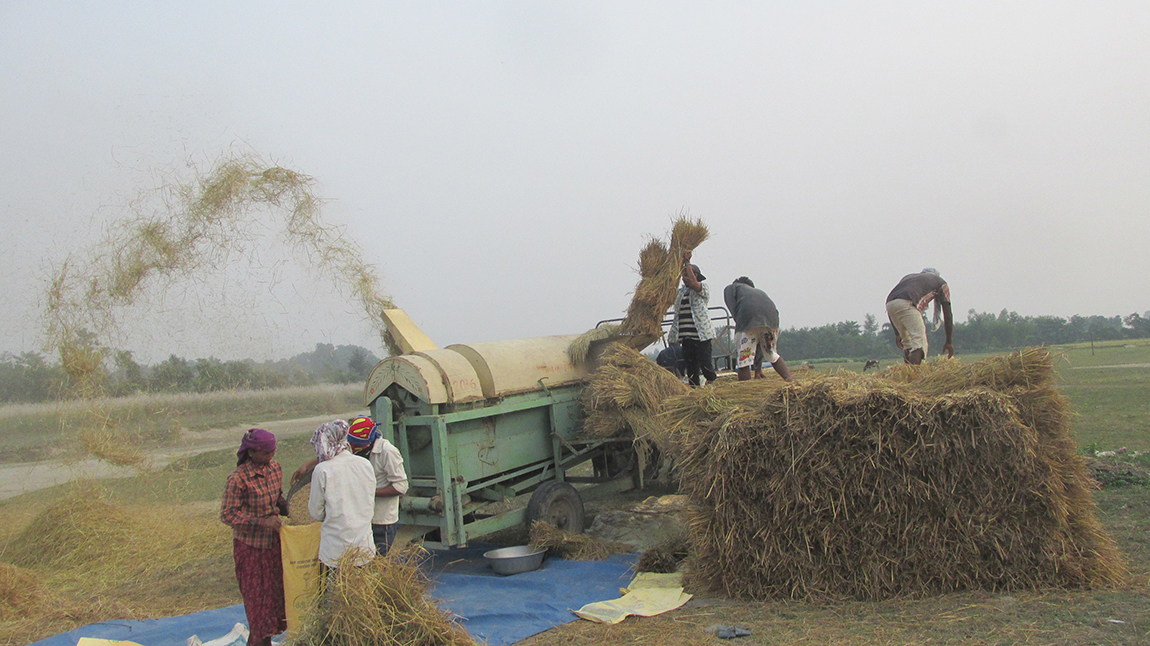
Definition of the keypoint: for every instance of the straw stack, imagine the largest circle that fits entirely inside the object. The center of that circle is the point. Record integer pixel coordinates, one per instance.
(919, 481)
(625, 394)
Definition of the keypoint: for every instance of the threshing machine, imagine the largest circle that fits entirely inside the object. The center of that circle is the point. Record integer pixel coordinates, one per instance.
(480, 425)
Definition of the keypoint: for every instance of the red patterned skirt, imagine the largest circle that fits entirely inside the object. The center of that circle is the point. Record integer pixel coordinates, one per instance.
(261, 578)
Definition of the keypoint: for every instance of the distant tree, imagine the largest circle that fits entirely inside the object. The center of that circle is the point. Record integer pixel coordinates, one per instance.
(128, 376)
(28, 377)
(360, 363)
(1137, 325)
(174, 374)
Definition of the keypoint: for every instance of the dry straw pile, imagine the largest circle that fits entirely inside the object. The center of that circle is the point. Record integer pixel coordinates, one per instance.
(567, 545)
(384, 602)
(625, 394)
(919, 481)
(665, 557)
(84, 559)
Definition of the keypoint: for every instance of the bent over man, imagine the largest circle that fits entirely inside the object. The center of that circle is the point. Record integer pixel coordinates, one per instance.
(756, 329)
(905, 305)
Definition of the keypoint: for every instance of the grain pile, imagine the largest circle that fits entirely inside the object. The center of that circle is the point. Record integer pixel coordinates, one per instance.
(919, 481)
(383, 602)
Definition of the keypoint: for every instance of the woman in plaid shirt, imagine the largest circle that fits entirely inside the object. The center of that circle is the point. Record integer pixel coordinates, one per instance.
(252, 505)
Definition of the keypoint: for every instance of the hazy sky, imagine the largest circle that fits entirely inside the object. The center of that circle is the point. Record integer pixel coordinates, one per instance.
(502, 163)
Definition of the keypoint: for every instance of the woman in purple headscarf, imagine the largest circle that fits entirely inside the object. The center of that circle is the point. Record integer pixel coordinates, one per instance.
(252, 505)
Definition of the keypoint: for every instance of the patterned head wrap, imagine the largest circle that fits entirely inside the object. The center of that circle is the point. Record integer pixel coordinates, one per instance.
(937, 318)
(362, 432)
(330, 439)
(258, 439)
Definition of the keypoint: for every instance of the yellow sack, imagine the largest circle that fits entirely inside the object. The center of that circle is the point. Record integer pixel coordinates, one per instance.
(648, 595)
(300, 547)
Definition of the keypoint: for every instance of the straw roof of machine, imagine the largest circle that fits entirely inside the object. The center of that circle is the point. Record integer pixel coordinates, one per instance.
(916, 481)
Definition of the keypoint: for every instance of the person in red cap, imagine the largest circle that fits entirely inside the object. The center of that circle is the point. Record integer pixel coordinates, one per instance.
(252, 505)
(390, 478)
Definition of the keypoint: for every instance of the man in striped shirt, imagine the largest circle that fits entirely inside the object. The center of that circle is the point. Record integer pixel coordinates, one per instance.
(691, 325)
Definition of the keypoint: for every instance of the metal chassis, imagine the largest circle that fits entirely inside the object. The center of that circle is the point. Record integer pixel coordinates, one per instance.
(463, 509)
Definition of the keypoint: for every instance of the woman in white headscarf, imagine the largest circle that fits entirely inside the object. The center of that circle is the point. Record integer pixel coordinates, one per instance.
(342, 496)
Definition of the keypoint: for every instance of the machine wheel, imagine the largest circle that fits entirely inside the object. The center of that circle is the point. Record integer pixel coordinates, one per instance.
(557, 503)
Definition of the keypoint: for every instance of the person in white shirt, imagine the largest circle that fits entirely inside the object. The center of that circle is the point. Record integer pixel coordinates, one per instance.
(390, 478)
(342, 496)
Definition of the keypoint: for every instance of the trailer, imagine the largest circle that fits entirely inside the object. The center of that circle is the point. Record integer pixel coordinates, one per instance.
(480, 426)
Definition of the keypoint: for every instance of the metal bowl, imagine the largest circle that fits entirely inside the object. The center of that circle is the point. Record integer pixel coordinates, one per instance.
(513, 560)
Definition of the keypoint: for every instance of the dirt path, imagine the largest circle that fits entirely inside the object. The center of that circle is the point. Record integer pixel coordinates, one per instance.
(24, 477)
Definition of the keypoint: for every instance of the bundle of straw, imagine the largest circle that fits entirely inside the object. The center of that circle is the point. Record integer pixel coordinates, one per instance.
(625, 395)
(568, 545)
(579, 352)
(951, 477)
(382, 602)
(665, 556)
(660, 266)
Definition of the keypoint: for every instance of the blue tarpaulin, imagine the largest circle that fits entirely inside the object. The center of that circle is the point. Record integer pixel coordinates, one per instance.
(500, 610)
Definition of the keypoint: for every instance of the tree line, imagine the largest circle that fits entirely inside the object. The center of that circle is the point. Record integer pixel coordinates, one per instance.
(28, 377)
(982, 332)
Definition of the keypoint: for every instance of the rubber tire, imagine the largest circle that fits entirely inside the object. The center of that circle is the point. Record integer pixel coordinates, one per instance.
(557, 503)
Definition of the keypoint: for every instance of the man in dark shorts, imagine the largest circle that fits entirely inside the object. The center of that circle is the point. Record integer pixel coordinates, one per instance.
(905, 305)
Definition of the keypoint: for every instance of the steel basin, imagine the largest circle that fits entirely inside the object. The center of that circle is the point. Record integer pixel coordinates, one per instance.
(513, 560)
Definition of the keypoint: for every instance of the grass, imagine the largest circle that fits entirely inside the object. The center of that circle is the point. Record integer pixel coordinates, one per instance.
(1111, 403)
(40, 431)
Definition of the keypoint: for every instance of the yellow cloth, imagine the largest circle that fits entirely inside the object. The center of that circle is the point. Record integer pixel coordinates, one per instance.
(299, 545)
(648, 594)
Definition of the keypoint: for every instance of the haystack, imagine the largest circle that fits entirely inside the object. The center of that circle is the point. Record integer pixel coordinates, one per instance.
(568, 545)
(382, 602)
(915, 482)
